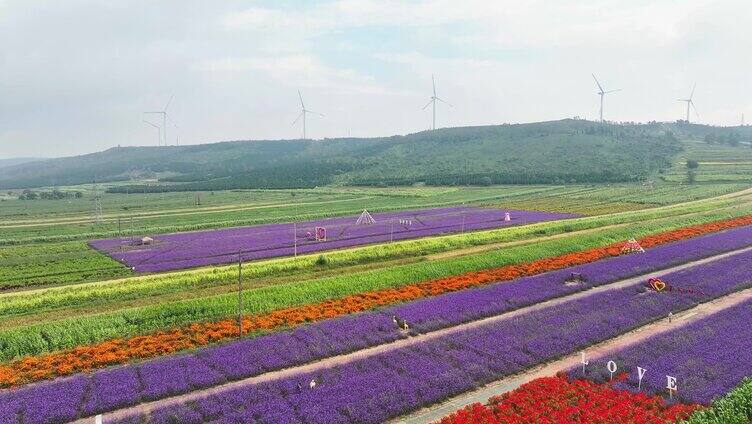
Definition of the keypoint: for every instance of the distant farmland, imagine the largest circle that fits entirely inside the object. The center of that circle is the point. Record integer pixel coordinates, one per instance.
(200, 248)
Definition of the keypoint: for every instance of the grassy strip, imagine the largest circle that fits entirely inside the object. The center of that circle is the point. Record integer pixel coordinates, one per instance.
(77, 331)
(734, 408)
(200, 221)
(28, 303)
(55, 264)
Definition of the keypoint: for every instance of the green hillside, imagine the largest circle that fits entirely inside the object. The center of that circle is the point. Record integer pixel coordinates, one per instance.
(568, 151)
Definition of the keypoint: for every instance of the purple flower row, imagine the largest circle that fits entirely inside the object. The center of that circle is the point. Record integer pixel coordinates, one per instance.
(707, 357)
(110, 389)
(380, 387)
(200, 248)
(468, 305)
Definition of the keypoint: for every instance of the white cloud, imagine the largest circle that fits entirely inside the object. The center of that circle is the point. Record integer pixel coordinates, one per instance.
(298, 70)
(76, 75)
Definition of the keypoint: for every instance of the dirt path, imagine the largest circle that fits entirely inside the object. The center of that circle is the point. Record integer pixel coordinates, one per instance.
(633, 336)
(703, 310)
(170, 213)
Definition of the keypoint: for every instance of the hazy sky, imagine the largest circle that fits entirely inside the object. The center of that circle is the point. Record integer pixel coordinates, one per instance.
(75, 76)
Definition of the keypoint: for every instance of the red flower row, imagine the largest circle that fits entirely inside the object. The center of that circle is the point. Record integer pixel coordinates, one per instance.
(558, 400)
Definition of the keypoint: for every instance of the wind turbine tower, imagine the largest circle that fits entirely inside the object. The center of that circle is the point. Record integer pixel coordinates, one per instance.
(159, 131)
(690, 103)
(303, 113)
(602, 93)
(163, 112)
(432, 102)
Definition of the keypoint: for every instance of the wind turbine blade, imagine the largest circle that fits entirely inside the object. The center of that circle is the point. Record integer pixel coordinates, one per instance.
(599, 84)
(153, 125)
(697, 114)
(692, 94)
(168, 102)
(298, 118)
(433, 80)
(315, 113)
(301, 100)
(446, 103)
(427, 104)
(612, 91)
(154, 112)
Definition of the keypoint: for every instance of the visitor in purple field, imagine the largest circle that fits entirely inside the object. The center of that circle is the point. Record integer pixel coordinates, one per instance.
(400, 323)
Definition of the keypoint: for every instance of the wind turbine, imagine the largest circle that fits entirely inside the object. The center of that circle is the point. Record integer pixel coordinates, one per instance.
(159, 131)
(163, 112)
(303, 112)
(603, 93)
(690, 103)
(433, 102)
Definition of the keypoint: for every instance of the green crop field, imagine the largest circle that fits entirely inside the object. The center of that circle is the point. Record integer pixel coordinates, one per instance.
(717, 164)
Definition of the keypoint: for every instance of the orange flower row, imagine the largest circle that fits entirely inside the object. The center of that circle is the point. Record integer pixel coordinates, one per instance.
(118, 351)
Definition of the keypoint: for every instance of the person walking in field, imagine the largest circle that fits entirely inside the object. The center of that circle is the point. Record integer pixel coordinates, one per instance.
(400, 323)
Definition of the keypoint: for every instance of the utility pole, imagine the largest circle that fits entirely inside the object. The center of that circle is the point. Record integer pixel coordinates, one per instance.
(97, 204)
(240, 295)
(463, 217)
(295, 238)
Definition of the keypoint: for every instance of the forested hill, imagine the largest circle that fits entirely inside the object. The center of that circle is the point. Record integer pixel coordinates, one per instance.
(17, 161)
(547, 152)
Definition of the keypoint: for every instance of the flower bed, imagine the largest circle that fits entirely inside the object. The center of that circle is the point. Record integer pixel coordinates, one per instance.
(200, 248)
(383, 386)
(200, 334)
(419, 375)
(555, 400)
(708, 357)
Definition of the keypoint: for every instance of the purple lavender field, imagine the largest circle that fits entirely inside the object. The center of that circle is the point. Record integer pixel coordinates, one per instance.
(201, 248)
(383, 386)
(109, 389)
(708, 358)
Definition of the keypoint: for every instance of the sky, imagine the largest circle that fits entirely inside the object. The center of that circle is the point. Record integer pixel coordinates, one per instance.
(76, 76)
